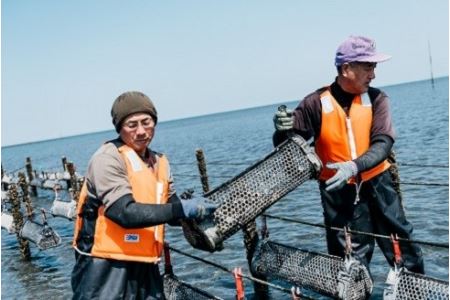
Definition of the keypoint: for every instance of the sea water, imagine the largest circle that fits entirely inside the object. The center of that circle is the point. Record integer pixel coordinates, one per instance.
(232, 141)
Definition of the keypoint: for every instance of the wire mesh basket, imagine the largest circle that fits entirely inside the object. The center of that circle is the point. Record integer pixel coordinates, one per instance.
(322, 273)
(176, 289)
(246, 196)
(402, 284)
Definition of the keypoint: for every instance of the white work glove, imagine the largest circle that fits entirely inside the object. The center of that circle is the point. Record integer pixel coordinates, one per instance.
(345, 170)
(197, 207)
(283, 120)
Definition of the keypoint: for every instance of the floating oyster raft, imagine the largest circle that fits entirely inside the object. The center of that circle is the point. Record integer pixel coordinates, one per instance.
(246, 196)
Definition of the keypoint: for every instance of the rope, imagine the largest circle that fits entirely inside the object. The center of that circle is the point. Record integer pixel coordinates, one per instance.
(248, 163)
(423, 166)
(33, 162)
(434, 244)
(48, 213)
(440, 245)
(197, 176)
(215, 163)
(16, 170)
(441, 184)
(401, 182)
(422, 183)
(231, 272)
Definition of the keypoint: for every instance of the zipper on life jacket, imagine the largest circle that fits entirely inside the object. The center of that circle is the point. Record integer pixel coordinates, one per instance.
(351, 137)
(352, 144)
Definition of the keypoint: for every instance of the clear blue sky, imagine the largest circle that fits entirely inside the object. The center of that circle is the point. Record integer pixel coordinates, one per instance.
(64, 62)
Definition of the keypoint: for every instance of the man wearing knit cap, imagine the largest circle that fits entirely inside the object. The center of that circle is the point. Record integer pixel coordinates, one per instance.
(350, 124)
(125, 201)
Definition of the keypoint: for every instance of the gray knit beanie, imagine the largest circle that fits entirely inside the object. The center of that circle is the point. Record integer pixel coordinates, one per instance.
(129, 103)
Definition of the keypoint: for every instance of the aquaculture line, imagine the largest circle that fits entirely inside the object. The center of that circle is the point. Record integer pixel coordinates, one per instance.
(31, 226)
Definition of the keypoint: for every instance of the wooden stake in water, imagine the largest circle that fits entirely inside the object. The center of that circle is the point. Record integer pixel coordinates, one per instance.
(395, 175)
(4, 184)
(64, 163)
(24, 246)
(29, 168)
(26, 196)
(73, 183)
(202, 169)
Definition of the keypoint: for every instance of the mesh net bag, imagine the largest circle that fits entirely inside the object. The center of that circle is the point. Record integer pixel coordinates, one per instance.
(64, 209)
(8, 222)
(402, 284)
(325, 274)
(40, 234)
(244, 197)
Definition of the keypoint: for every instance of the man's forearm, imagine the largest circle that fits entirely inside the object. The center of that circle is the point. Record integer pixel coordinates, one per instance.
(377, 152)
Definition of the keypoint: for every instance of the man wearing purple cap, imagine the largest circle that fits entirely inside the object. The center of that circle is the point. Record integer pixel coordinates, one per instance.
(351, 126)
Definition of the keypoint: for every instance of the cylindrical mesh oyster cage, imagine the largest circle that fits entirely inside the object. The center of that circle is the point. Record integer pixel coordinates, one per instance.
(322, 273)
(403, 284)
(246, 196)
(42, 235)
(175, 289)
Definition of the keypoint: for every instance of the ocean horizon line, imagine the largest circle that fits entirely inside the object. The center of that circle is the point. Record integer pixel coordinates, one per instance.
(193, 117)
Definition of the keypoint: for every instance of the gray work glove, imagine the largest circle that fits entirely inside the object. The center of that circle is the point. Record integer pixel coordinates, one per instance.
(283, 120)
(345, 170)
(197, 207)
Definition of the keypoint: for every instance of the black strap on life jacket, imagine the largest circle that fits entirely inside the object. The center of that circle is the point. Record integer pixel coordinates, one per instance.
(88, 215)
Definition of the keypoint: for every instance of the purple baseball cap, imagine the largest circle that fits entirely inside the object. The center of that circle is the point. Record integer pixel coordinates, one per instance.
(358, 48)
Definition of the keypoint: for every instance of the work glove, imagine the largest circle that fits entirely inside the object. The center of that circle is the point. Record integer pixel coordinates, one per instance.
(345, 170)
(283, 119)
(197, 208)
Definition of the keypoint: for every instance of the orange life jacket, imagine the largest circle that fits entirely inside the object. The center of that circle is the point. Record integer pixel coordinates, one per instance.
(343, 138)
(110, 240)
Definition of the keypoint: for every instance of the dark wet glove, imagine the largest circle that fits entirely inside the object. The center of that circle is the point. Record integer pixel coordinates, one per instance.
(283, 120)
(197, 207)
(345, 170)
